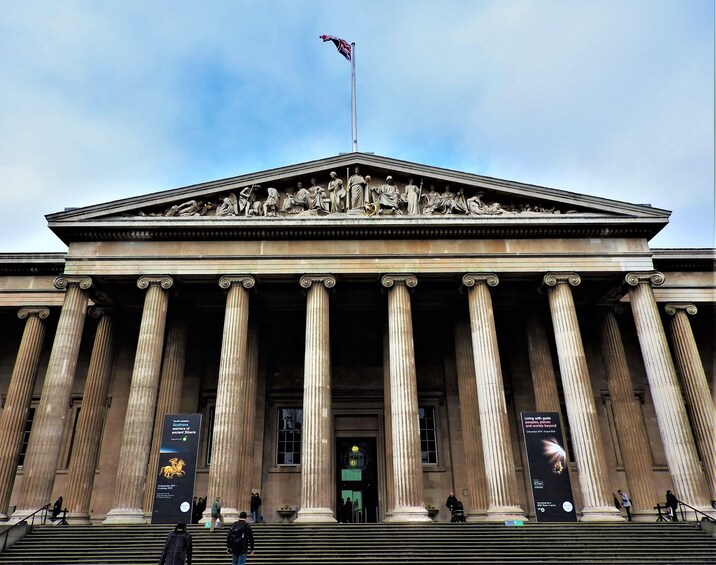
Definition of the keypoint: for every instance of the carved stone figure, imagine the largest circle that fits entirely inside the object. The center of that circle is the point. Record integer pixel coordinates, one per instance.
(317, 198)
(356, 187)
(337, 194)
(295, 202)
(460, 204)
(434, 202)
(271, 203)
(388, 197)
(190, 208)
(451, 202)
(246, 200)
(412, 198)
(477, 207)
(229, 206)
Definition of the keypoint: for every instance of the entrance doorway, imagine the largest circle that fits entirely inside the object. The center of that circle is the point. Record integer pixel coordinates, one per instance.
(357, 479)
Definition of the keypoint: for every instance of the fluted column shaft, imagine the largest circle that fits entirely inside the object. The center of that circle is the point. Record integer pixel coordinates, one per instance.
(407, 460)
(247, 391)
(80, 476)
(470, 419)
(587, 441)
(388, 431)
(171, 384)
(19, 395)
(698, 396)
(500, 473)
(686, 474)
(632, 432)
(128, 506)
(43, 449)
(544, 381)
(316, 452)
(228, 416)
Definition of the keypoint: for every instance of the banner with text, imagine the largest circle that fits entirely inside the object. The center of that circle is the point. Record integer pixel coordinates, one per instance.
(178, 454)
(551, 488)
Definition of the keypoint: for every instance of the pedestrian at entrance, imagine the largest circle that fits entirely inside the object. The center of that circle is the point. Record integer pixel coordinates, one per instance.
(177, 549)
(348, 511)
(240, 541)
(216, 517)
(626, 503)
(451, 501)
(255, 507)
(672, 503)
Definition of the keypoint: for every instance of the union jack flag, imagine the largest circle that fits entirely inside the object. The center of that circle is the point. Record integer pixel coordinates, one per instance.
(344, 48)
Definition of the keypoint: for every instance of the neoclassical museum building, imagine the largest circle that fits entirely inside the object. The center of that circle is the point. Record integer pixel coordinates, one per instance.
(362, 327)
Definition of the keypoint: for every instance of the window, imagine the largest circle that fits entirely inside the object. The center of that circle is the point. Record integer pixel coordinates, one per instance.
(26, 435)
(288, 437)
(428, 435)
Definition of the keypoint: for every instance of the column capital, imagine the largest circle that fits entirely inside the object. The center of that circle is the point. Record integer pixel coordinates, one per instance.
(247, 281)
(307, 281)
(391, 280)
(63, 281)
(553, 279)
(653, 278)
(612, 308)
(472, 279)
(98, 312)
(165, 281)
(41, 312)
(673, 308)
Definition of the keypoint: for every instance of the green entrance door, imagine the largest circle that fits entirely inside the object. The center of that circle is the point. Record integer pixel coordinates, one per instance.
(357, 480)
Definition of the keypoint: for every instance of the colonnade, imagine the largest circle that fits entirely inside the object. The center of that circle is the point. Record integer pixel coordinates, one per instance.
(155, 390)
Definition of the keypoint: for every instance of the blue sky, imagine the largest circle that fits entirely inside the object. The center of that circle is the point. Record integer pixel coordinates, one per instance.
(102, 101)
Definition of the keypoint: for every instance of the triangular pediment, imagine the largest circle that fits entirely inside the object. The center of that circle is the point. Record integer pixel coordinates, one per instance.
(355, 190)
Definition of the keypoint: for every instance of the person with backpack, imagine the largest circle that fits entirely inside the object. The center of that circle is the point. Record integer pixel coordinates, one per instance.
(240, 541)
(177, 548)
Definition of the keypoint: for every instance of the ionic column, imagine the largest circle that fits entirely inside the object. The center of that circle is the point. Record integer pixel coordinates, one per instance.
(43, 451)
(470, 419)
(81, 472)
(128, 506)
(247, 390)
(679, 447)
(500, 473)
(407, 460)
(171, 383)
(632, 432)
(19, 395)
(698, 396)
(388, 427)
(587, 441)
(316, 452)
(230, 406)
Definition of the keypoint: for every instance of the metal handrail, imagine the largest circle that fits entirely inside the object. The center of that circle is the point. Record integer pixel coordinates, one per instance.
(696, 511)
(6, 534)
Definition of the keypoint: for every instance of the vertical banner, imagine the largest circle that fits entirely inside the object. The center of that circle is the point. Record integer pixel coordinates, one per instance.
(178, 454)
(551, 488)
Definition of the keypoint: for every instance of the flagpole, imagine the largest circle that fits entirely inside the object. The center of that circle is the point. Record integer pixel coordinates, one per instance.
(354, 121)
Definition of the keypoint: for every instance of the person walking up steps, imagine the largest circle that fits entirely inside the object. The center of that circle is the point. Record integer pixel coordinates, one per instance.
(626, 503)
(216, 516)
(240, 541)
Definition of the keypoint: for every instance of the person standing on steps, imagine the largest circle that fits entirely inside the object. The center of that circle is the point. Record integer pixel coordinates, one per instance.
(672, 503)
(626, 503)
(240, 541)
(216, 516)
(177, 548)
(255, 507)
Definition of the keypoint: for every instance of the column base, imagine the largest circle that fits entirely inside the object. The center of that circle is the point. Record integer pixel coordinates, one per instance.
(78, 519)
(315, 516)
(22, 513)
(505, 514)
(476, 516)
(409, 514)
(601, 514)
(644, 515)
(125, 516)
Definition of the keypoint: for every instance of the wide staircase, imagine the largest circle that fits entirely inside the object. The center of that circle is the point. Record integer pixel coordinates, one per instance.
(380, 544)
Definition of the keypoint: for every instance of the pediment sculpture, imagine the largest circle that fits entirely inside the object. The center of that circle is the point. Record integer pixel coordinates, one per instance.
(358, 195)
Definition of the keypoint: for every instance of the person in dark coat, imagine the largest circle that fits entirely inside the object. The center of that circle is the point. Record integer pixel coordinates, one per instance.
(56, 509)
(240, 541)
(451, 502)
(672, 503)
(255, 507)
(177, 549)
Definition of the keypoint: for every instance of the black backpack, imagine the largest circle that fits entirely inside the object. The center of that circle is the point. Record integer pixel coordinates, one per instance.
(237, 539)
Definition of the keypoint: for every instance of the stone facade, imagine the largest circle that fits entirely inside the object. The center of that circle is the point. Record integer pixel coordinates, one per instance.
(399, 317)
